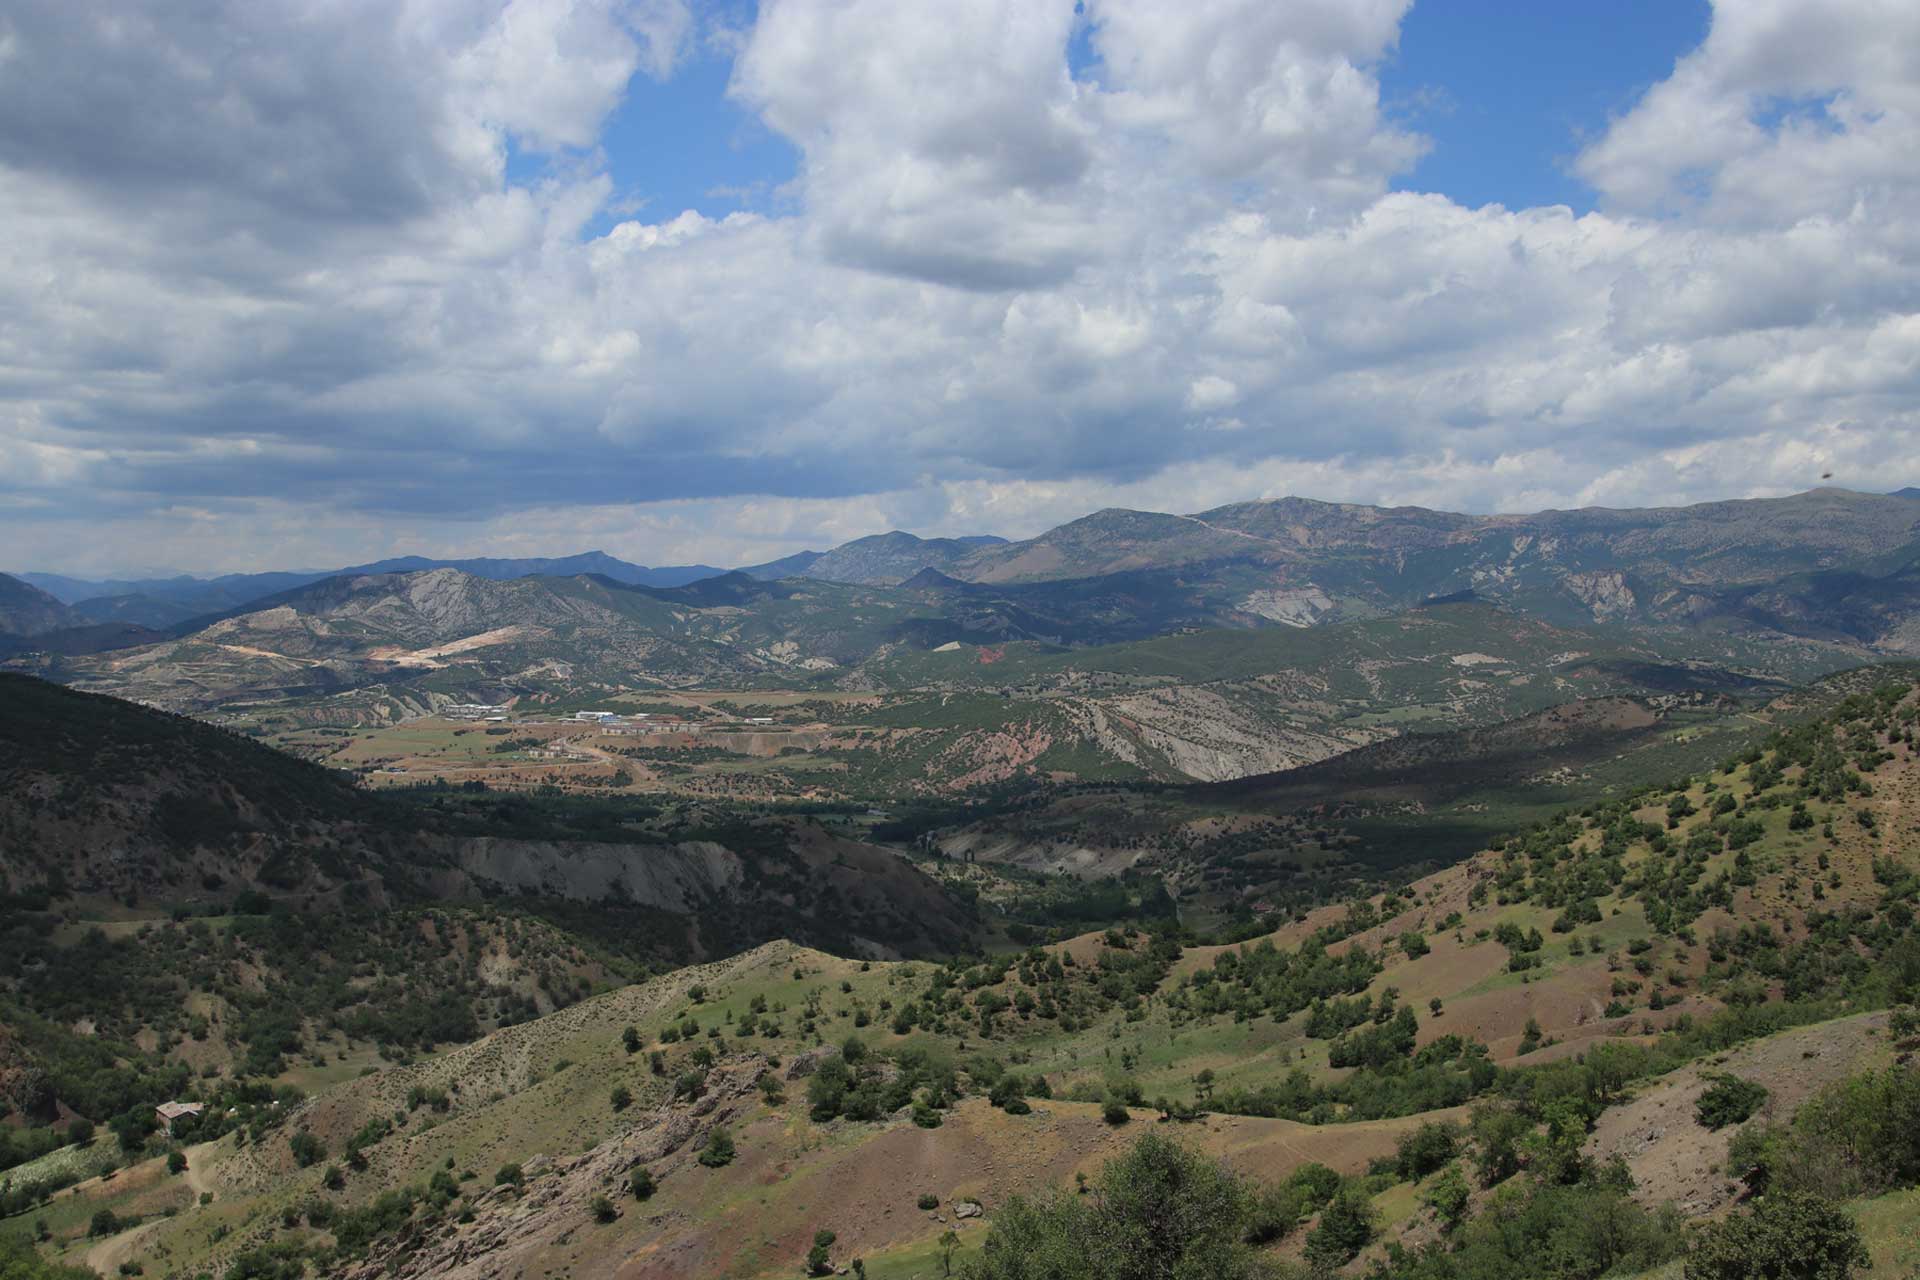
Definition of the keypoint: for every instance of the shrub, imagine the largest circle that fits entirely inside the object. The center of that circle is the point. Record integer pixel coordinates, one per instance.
(719, 1150)
(1729, 1100)
(509, 1175)
(603, 1210)
(176, 1162)
(1272, 1213)
(929, 1201)
(307, 1149)
(640, 1183)
(621, 1098)
(1115, 1112)
(1316, 1184)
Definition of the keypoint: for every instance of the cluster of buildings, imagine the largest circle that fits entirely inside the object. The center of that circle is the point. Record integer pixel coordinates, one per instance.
(613, 723)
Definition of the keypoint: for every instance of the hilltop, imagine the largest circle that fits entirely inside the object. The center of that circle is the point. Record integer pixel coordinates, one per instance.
(25, 610)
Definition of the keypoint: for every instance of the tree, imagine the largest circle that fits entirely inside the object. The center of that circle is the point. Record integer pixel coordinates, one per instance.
(621, 1098)
(1346, 1224)
(307, 1149)
(176, 1162)
(1425, 1149)
(1448, 1197)
(948, 1243)
(1497, 1132)
(1788, 1236)
(603, 1210)
(819, 1263)
(640, 1182)
(631, 1039)
(1008, 1093)
(1158, 1210)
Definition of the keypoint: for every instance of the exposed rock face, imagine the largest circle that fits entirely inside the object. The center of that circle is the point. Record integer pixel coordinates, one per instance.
(1204, 734)
(805, 1064)
(1606, 594)
(1293, 607)
(675, 877)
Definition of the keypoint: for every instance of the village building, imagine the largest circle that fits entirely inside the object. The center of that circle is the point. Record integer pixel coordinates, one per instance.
(168, 1112)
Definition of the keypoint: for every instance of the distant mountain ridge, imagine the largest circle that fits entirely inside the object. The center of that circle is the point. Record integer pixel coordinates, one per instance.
(26, 610)
(1813, 580)
(166, 602)
(887, 558)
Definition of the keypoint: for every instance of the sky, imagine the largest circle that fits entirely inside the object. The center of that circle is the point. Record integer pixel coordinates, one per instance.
(303, 284)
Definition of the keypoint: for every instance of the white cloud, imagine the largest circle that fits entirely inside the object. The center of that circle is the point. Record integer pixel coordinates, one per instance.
(271, 271)
(1789, 110)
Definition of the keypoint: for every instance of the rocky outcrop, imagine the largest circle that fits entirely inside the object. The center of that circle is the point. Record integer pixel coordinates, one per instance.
(512, 1224)
(24, 1090)
(1606, 595)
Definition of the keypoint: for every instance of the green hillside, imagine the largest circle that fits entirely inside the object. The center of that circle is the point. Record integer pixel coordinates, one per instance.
(1445, 1080)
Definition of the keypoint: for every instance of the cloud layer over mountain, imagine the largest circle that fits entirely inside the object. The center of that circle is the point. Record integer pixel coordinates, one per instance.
(275, 280)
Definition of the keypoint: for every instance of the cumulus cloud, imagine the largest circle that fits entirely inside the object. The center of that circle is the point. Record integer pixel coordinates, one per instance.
(271, 287)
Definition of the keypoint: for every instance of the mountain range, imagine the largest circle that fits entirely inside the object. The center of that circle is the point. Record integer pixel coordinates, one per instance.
(1780, 588)
(165, 602)
(1829, 563)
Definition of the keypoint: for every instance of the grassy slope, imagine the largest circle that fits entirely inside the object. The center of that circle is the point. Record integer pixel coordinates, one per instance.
(516, 1101)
